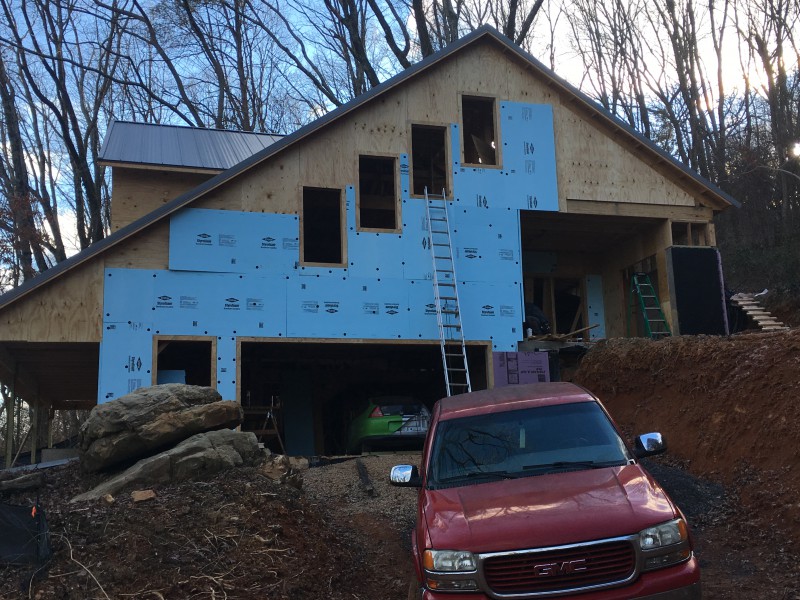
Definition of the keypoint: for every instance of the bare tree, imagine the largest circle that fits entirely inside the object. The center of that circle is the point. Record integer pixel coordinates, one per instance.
(55, 67)
(18, 222)
(769, 29)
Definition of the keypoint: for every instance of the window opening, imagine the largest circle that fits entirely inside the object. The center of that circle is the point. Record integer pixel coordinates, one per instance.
(478, 130)
(428, 159)
(322, 225)
(184, 361)
(377, 193)
(680, 234)
(553, 305)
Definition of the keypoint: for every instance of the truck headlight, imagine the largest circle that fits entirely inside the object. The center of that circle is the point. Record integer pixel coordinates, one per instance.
(449, 560)
(450, 570)
(665, 545)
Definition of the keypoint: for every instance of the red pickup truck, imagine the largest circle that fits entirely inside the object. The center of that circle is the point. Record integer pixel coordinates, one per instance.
(530, 492)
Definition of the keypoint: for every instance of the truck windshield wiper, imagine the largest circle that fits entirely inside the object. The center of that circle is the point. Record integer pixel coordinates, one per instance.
(481, 474)
(569, 464)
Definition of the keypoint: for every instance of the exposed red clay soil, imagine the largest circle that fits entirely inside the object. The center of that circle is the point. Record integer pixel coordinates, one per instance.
(729, 409)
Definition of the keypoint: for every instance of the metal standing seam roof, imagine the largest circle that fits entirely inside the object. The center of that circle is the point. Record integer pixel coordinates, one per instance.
(180, 147)
(167, 209)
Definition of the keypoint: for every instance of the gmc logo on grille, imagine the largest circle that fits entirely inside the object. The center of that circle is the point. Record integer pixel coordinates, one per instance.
(560, 568)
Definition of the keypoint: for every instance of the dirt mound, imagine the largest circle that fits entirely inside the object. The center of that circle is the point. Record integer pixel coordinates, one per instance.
(728, 407)
(238, 535)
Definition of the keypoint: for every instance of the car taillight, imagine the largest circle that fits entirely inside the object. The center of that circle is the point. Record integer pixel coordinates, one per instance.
(376, 412)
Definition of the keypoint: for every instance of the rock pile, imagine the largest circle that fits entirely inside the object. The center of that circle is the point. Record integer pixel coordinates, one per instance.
(176, 432)
(149, 420)
(199, 456)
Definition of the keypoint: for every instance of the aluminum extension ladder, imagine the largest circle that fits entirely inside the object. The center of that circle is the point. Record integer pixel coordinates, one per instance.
(655, 324)
(445, 289)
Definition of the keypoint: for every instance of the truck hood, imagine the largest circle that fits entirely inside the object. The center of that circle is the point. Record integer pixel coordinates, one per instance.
(545, 510)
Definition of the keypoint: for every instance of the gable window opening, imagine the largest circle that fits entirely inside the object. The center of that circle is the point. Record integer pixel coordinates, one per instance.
(478, 130)
(428, 159)
(322, 225)
(377, 193)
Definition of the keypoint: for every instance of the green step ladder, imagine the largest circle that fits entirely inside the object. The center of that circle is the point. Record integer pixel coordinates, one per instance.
(655, 325)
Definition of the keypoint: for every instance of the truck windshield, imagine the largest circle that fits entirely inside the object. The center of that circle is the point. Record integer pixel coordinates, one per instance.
(525, 442)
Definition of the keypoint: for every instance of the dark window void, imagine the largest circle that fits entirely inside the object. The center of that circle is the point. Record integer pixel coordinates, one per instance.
(377, 203)
(182, 361)
(322, 225)
(428, 159)
(689, 234)
(478, 127)
(560, 301)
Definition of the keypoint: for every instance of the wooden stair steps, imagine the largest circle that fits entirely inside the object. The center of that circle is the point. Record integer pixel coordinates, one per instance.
(753, 309)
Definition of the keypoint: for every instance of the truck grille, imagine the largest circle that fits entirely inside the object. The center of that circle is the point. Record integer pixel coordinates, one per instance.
(560, 569)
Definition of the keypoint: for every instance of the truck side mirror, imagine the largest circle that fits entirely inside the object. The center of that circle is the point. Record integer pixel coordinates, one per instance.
(649, 444)
(405, 476)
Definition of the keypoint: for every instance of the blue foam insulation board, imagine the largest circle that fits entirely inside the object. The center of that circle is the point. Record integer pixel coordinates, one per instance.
(492, 312)
(486, 244)
(375, 254)
(234, 274)
(232, 242)
(527, 179)
(422, 310)
(226, 366)
(415, 244)
(595, 306)
(126, 358)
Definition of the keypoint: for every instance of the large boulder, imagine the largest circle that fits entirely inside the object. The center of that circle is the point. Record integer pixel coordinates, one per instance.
(149, 420)
(200, 456)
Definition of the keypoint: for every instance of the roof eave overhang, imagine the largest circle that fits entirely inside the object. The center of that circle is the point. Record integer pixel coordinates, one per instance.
(160, 167)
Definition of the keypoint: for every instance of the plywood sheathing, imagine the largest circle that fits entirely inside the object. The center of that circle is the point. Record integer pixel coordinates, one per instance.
(136, 192)
(596, 166)
(147, 249)
(68, 310)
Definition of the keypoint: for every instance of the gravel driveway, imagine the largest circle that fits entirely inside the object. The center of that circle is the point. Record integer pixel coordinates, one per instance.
(739, 559)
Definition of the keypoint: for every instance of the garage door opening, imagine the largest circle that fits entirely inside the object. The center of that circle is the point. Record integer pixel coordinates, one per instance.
(320, 388)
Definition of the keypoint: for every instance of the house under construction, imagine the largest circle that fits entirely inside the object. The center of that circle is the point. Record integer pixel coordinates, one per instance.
(393, 245)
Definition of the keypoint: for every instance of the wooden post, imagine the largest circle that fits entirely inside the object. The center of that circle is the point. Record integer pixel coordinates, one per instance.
(12, 395)
(34, 431)
(50, 419)
(9, 401)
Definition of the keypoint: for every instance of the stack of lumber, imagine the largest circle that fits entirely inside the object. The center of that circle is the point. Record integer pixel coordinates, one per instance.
(753, 309)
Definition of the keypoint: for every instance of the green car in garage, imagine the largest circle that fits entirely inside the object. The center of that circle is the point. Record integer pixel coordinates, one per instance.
(388, 421)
